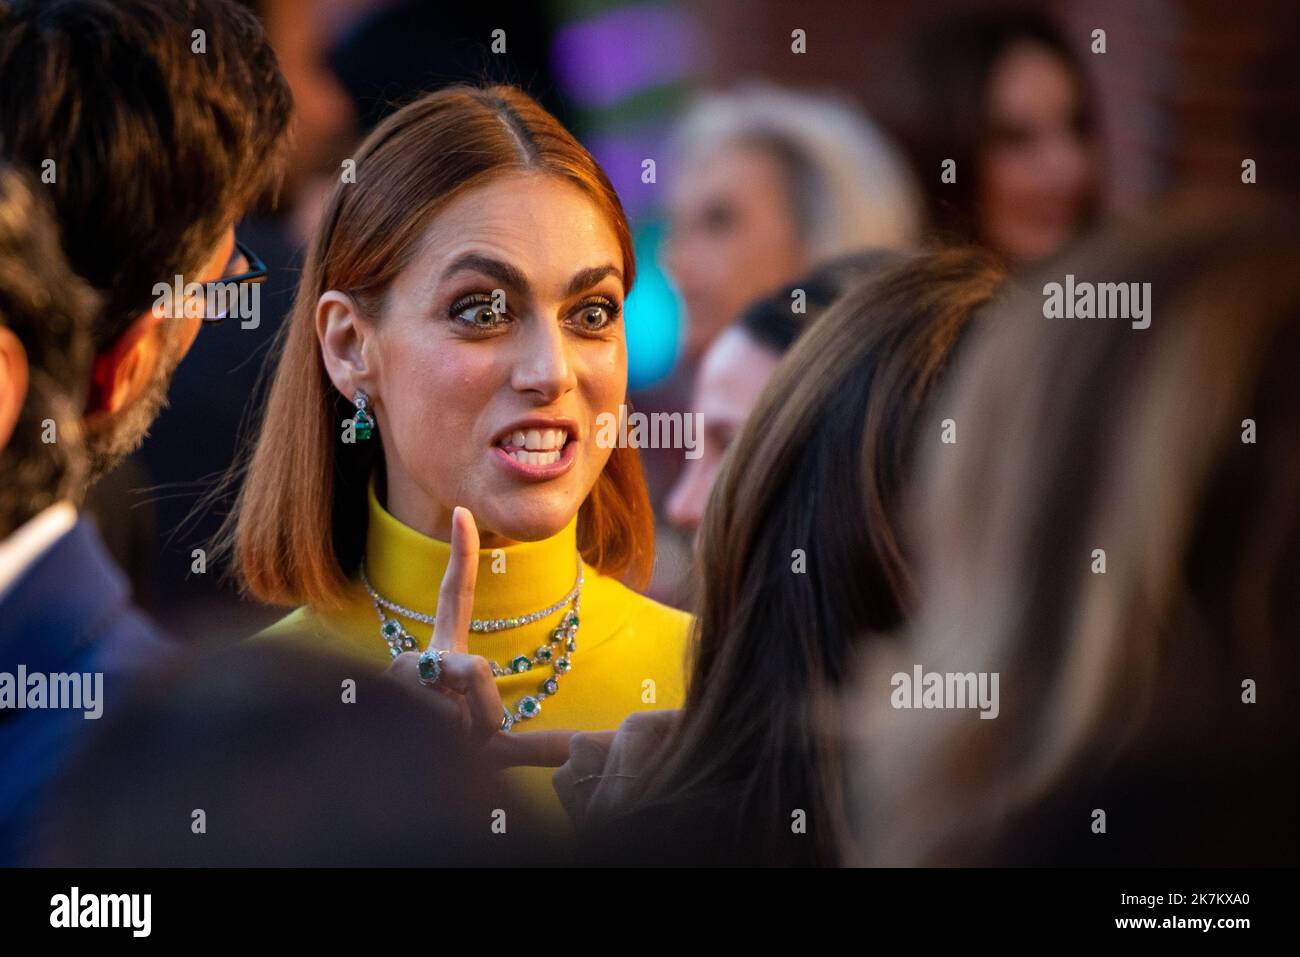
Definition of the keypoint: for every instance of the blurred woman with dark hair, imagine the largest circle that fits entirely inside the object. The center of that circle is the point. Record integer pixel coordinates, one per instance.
(1005, 98)
(1116, 534)
(739, 363)
(802, 561)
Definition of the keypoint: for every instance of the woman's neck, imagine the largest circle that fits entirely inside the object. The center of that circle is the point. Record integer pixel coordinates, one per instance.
(409, 504)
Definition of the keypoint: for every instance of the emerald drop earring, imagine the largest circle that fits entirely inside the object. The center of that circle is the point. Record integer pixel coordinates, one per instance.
(362, 422)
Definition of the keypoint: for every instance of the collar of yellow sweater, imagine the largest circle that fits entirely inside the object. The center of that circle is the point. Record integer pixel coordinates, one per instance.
(406, 567)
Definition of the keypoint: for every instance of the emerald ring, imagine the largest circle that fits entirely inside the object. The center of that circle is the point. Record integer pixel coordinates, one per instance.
(430, 666)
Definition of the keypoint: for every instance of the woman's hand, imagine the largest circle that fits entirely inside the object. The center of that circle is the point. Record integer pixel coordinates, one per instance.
(466, 691)
(605, 769)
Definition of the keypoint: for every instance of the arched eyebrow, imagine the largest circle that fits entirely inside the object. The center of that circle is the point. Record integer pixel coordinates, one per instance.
(586, 278)
(512, 278)
(504, 273)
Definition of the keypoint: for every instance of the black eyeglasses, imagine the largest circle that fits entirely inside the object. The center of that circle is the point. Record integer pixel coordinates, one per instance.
(256, 271)
(253, 272)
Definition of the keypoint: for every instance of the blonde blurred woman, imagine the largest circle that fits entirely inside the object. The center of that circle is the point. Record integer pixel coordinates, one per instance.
(766, 185)
(1116, 535)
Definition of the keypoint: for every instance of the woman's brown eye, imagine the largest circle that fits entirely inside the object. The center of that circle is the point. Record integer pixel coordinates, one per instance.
(595, 316)
(478, 315)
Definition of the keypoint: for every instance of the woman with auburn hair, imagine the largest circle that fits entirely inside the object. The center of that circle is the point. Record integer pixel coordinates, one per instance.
(802, 562)
(1116, 535)
(455, 346)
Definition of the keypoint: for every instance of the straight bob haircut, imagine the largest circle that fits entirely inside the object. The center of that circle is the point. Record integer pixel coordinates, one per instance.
(298, 530)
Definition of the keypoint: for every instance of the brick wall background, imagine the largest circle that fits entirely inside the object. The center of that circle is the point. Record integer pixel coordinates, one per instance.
(1188, 88)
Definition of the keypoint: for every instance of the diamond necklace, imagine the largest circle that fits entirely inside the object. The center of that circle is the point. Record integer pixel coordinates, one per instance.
(399, 639)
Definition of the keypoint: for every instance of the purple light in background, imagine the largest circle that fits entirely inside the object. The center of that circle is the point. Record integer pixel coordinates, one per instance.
(620, 155)
(605, 59)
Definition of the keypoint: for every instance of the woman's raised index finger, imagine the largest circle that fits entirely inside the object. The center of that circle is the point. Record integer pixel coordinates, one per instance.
(456, 595)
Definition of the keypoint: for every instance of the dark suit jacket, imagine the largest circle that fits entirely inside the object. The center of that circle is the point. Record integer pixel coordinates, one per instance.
(69, 612)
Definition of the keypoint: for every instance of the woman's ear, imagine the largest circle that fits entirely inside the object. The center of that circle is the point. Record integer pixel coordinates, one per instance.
(345, 342)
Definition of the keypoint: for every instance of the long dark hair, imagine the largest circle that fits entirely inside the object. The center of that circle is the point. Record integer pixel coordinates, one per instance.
(802, 558)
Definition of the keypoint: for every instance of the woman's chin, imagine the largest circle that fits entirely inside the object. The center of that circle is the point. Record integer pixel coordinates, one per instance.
(525, 523)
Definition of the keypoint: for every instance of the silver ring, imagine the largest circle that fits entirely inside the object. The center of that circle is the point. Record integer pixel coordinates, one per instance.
(430, 666)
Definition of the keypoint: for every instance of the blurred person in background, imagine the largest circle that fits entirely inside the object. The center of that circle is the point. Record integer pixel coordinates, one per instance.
(765, 185)
(48, 600)
(186, 774)
(45, 318)
(1154, 681)
(144, 188)
(1003, 95)
(325, 117)
(170, 481)
(737, 366)
(802, 562)
(140, 199)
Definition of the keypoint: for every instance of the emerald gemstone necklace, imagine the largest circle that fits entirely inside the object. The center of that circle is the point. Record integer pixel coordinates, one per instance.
(557, 652)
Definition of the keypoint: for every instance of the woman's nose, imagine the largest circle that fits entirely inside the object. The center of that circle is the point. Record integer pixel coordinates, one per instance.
(544, 365)
(685, 505)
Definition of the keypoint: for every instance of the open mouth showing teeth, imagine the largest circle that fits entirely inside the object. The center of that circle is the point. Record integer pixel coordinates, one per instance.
(535, 446)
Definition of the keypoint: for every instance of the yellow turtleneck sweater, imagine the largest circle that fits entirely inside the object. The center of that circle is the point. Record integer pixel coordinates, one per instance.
(630, 652)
